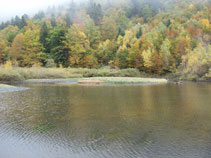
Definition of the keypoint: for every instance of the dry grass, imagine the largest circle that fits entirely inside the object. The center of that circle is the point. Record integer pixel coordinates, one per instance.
(90, 81)
(124, 80)
(21, 74)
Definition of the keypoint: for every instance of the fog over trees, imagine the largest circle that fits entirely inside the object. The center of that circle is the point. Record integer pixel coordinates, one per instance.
(154, 36)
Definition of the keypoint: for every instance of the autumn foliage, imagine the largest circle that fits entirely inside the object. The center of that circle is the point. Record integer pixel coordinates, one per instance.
(153, 36)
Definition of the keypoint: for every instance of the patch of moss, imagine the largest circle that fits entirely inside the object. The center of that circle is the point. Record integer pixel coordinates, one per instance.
(42, 128)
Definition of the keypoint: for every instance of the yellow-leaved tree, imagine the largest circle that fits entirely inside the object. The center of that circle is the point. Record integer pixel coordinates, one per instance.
(197, 62)
(205, 23)
(26, 48)
(17, 49)
(148, 59)
(78, 46)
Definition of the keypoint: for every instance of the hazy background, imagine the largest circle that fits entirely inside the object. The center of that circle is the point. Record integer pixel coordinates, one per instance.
(11, 8)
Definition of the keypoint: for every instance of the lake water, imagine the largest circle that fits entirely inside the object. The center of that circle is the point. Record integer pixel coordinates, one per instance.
(110, 121)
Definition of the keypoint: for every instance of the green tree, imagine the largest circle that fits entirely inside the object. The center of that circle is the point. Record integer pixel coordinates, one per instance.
(95, 12)
(39, 15)
(53, 20)
(8, 34)
(121, 60)
(165, 52)
(93, 34)
(120, 18)
(23, 21)
(44, 32)
(56, 44)
(120, 32)
(108, 29)
(106, 52)
(147, 12)
(139, 33)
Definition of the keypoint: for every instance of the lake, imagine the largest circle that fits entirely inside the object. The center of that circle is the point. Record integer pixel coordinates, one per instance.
(106, 121)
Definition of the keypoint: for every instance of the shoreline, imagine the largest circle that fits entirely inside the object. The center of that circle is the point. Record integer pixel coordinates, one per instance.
(8, 88)
(17, 74)
(75, 80)
(101, 80)
(84, 81)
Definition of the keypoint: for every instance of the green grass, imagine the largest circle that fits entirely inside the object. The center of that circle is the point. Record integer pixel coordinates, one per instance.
(42, 128)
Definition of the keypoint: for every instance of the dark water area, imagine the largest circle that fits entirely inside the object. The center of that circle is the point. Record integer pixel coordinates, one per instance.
(106, 121)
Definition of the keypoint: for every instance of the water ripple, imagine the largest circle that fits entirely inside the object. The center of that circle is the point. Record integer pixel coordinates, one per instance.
(104, 122)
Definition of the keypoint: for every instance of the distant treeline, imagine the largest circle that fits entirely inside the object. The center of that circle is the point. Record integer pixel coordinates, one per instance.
(155, 36)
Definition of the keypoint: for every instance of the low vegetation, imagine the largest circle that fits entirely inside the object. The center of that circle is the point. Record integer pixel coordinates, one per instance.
(122, 80)
(20, 74)
(106, 72)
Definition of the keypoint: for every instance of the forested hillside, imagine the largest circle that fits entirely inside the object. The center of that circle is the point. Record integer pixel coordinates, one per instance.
(154, 36)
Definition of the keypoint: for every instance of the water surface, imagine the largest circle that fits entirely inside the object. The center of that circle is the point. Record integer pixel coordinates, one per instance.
(110, 121)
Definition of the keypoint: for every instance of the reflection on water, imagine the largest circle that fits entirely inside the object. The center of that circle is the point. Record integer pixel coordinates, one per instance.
(52, 121)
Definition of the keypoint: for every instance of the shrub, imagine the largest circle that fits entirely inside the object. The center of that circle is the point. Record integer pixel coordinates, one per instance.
(50, 63)
(10, 75)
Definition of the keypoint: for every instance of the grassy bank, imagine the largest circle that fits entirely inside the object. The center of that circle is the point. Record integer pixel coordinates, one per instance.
(21, 74)
(122, 80)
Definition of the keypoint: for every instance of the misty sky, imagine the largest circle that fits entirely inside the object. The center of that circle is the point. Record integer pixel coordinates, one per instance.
(10, 8)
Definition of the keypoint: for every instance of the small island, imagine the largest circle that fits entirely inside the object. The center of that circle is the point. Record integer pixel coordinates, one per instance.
(121, 80)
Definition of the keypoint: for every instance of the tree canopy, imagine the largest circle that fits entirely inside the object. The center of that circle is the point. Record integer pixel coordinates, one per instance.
(155, 36)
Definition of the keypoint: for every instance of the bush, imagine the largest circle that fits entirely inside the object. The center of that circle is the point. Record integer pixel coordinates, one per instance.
(10, 75)
(50, 63)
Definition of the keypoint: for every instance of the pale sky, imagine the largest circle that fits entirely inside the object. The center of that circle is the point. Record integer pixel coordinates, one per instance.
(11, 8)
